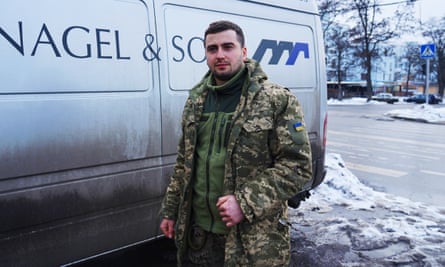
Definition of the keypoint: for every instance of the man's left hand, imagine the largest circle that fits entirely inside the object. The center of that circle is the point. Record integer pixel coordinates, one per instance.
(230, 210)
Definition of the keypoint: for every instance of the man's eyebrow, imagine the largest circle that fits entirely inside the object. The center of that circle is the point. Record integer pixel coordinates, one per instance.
(223, 44)
(228, 43)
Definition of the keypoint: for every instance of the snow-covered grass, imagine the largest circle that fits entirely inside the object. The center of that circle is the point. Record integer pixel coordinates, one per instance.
(425, 113)
(420, 112)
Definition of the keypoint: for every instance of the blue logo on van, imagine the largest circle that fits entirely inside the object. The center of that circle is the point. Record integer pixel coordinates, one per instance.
(278, 47)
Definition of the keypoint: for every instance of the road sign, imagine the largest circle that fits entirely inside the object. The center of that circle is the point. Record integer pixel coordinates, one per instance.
(427, 51)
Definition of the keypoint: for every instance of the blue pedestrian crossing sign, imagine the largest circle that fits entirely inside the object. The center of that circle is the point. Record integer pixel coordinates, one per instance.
(427, 51)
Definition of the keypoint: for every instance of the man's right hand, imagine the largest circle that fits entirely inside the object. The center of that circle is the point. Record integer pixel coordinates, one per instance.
(168, 228)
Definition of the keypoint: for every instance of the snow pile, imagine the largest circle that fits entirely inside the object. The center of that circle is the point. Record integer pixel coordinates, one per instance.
(425, 113)
(422, 112)
(346, 223)
(351, 101)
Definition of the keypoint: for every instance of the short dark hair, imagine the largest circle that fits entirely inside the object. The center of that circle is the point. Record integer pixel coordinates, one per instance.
(224, 25)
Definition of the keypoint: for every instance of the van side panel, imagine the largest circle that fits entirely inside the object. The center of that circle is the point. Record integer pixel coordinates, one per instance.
(81, 168)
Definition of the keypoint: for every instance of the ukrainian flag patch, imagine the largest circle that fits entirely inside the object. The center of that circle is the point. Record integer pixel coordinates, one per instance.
(298, 126)
(297, 132)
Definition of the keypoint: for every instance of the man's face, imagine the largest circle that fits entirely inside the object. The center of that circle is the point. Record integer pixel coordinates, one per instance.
(225, 56)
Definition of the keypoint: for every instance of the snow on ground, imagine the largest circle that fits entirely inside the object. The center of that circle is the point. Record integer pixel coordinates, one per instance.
(425, 113)
(346, 223)
(421, 112)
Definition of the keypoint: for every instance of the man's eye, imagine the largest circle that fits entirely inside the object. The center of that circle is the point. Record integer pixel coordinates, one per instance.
(228, 47)
(211, 49)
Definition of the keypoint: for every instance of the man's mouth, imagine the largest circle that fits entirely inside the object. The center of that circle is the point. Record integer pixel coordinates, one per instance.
(221, 65)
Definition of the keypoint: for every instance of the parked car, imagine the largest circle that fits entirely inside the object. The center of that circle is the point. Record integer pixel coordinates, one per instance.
(385, 97)
(420, 98)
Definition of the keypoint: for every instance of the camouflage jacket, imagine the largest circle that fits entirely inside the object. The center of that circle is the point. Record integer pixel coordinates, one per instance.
(268, 161)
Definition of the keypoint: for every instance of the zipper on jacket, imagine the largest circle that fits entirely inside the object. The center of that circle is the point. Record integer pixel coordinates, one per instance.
(221, 137)
(207, 172)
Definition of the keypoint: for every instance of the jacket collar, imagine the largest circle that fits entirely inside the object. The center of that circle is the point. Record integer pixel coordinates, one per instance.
(255, 74)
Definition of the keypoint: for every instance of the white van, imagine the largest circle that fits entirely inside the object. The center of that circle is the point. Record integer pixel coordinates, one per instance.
(91, 95)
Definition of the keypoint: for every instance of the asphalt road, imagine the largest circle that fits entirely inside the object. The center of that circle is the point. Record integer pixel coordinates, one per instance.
(401, 157)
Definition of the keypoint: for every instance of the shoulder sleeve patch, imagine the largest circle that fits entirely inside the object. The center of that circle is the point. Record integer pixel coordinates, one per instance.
(298, 132)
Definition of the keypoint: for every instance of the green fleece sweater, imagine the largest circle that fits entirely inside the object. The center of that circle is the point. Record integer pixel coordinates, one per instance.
(213, 133)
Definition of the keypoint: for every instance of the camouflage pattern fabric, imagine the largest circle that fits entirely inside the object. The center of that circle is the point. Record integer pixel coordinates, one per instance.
(268, 161)
(205, 249)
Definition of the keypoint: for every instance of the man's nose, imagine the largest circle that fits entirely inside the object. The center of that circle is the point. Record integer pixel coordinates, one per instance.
(220, 53)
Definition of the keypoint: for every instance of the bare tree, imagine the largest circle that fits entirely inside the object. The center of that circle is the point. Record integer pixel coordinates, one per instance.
(339, 54)
(412, 62)
(371, 30)
(329, 11)
(436, 31)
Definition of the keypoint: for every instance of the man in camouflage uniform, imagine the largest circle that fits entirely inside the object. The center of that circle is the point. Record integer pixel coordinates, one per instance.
(244, 151)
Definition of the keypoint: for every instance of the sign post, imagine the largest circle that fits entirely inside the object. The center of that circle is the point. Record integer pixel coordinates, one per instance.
(427, 51)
